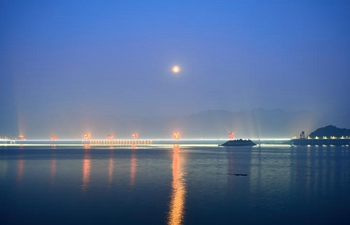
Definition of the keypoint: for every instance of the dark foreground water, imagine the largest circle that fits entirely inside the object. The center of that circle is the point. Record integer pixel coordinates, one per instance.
(193, 185)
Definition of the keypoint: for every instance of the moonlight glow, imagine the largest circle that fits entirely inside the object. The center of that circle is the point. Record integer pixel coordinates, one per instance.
(175, 69)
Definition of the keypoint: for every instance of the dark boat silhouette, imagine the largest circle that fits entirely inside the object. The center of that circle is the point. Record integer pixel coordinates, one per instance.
(239, 142)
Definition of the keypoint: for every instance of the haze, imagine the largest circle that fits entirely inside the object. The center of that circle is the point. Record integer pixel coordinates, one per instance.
(72, 62)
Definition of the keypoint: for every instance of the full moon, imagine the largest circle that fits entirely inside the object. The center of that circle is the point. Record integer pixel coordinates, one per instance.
(175, 69)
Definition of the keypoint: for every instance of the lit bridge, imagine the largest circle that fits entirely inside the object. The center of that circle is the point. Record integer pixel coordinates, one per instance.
(133, 142)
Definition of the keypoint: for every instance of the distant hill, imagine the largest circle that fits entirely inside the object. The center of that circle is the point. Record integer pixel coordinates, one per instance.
(330, 130)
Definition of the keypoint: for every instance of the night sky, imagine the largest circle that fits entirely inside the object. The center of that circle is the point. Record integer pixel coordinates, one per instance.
(115, 57)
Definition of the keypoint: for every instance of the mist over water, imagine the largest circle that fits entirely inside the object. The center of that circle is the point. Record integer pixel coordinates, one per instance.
(175, 185)
(257, 123)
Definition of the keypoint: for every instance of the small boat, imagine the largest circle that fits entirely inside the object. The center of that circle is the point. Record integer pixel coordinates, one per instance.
(238, 142)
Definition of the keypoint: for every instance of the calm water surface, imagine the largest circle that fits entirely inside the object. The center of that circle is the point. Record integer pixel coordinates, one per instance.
(175, 185)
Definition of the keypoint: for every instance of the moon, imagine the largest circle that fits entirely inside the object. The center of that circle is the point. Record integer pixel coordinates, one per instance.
(175, 69)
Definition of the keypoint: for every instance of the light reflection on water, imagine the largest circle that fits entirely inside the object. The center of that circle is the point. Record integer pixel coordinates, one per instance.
(177, 202)
(133, 165)
(178, 186)
(86, 170)
(53, 170)
(110, 169)
(20, 170)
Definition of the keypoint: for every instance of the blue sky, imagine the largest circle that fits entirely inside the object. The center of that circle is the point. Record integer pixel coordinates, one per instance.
(115, 57)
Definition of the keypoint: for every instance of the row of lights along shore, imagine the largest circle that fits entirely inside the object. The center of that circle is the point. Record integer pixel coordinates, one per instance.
(121, 142)
(176, 136)
(110, 137)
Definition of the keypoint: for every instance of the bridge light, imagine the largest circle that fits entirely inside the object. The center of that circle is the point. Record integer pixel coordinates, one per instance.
(21, 137)
(230, 135)
(176, 136)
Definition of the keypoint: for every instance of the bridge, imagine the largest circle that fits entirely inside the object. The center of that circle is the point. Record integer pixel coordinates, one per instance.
(131, 142)
(159, 142)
